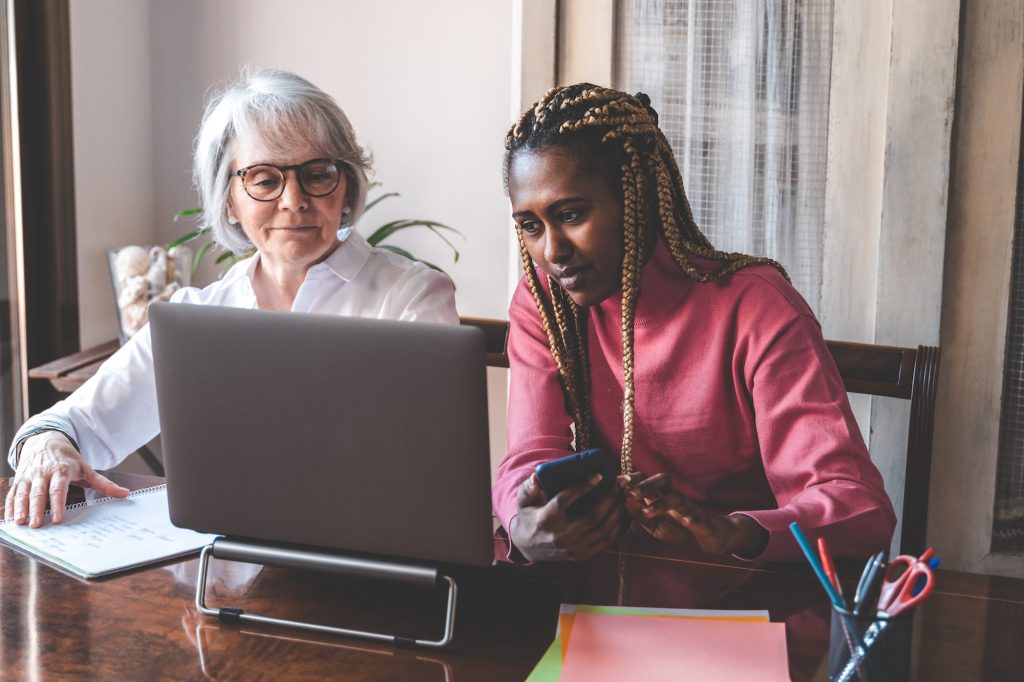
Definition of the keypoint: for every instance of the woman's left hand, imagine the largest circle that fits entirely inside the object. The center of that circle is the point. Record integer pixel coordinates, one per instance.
(671, 517)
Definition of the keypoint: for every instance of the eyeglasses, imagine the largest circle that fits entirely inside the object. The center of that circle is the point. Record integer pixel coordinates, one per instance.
(265, 181)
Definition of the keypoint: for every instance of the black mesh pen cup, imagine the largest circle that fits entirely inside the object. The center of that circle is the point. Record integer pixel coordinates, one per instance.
(869, 648)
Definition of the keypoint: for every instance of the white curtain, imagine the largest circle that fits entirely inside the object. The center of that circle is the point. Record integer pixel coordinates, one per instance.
(741, 88)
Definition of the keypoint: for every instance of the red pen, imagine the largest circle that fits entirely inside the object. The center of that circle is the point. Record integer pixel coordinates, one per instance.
(828, 566)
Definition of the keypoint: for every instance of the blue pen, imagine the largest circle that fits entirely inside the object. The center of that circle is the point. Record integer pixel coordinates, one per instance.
(805, 547)
(933, 563)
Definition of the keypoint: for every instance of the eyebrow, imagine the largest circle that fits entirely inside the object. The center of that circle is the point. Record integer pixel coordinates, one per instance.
(555, 205)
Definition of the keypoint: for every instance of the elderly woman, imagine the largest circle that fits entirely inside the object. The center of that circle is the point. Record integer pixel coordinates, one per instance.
(278, 168)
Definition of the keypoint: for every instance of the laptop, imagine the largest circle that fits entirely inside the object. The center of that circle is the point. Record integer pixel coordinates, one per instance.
(339, 433)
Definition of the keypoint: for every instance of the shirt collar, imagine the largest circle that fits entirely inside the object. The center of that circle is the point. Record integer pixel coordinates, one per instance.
(344, 262)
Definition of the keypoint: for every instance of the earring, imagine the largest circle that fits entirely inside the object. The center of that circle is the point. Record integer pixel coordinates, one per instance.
(232, 220)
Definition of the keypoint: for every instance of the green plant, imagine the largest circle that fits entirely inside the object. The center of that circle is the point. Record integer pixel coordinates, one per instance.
(376, 238)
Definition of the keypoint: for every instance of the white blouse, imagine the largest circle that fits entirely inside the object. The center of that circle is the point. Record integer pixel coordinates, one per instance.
(114, 412)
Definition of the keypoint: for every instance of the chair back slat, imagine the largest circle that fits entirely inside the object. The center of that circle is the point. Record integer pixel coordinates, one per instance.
(874, 370)
(495, 339)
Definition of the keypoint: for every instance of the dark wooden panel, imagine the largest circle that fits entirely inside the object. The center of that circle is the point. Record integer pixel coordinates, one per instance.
(47, 177)
(874, 370)
(496, 339)
(90, 357)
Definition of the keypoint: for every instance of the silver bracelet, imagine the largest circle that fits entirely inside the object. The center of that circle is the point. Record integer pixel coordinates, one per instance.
(35, 431)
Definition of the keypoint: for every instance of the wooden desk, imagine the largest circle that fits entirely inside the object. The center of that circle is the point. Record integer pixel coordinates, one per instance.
(143, 625)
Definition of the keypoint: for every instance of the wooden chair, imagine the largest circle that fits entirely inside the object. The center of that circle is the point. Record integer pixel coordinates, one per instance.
(885, 371)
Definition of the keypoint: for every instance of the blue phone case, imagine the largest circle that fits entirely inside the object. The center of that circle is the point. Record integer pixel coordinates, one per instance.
(558, 474)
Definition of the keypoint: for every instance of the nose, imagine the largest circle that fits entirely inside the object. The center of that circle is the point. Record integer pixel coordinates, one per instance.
(557, 247)
(292, 197)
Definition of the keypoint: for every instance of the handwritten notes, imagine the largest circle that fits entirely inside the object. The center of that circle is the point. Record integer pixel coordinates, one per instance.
(108, 535)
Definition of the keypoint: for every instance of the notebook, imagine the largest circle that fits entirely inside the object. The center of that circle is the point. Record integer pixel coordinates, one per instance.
(342, 433)
(595, 643)
(107, 535)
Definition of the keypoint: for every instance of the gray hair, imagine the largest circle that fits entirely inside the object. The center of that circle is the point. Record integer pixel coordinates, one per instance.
(277, 111)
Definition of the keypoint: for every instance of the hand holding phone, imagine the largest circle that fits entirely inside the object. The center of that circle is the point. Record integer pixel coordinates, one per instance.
(558, 474)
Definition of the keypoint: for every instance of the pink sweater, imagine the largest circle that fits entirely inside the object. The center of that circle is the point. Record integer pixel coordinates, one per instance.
(737, 399)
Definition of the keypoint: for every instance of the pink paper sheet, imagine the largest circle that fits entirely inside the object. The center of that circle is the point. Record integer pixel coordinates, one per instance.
(611, 647)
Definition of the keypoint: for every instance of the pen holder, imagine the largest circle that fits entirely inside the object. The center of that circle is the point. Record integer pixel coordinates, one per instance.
(869, 648)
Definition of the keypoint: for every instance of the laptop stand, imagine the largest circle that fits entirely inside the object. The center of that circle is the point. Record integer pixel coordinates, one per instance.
(227, 549)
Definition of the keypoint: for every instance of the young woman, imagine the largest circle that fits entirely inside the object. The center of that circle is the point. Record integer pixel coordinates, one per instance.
(706, 371)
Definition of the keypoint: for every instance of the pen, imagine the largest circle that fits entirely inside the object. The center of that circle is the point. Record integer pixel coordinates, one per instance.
(858, 593)
(933, 563)
(829, 567)
(805, 547)
(871, 582)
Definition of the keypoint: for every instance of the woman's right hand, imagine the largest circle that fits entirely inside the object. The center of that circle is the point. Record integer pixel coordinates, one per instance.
(543, 530)
(47, 465)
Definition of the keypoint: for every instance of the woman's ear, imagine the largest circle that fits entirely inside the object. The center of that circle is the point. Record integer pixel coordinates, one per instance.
(346, 213)
(232, 220)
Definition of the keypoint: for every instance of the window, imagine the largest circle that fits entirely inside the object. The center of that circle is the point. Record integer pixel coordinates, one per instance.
(742, 90)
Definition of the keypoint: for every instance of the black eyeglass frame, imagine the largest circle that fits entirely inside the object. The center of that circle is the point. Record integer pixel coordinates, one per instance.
(241, 172)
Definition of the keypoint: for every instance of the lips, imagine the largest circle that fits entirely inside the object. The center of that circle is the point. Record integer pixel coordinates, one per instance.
(572, 278)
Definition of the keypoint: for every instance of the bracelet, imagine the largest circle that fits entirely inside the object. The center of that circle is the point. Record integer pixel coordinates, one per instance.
(35, 431)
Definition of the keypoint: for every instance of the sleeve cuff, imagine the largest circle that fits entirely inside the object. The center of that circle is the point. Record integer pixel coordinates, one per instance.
(34, 427)
(514, 556)
(781, 543)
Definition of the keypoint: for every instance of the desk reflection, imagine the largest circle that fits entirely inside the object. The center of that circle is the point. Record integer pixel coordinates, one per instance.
(224, 651)
(142, 625)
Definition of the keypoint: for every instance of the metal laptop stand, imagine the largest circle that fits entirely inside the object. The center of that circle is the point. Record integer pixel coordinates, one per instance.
(227, 549)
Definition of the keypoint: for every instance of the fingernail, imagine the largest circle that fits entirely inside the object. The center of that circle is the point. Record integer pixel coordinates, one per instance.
(595, 478)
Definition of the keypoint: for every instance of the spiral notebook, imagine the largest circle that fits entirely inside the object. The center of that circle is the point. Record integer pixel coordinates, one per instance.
(107, 535)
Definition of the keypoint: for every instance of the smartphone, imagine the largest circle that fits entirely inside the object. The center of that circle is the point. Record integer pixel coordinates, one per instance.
(558, 474)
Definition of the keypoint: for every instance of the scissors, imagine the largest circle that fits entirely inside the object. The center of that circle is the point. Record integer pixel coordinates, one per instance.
(907, 581)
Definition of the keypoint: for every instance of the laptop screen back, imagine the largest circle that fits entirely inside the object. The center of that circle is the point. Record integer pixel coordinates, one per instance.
(328, 431)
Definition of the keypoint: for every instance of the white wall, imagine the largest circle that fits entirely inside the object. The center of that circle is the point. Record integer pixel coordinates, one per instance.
(425, 84)
(428, 95)
(113, 147)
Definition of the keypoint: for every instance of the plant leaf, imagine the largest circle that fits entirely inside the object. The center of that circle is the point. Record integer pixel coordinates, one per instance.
(399, 250)
(187, 213)
(198, 258)
(187, 237)
(402, 252)
(377, 200)
(435, 230)
(388, 229)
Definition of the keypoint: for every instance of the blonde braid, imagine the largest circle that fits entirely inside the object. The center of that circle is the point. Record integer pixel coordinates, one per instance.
(577, 355)
(632, 223)
(579, 316)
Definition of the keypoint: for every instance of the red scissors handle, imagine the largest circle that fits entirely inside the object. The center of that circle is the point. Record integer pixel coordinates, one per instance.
(906, 597)
(898, 591)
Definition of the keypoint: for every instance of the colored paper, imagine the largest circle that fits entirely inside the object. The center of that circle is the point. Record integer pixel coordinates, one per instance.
(620, 647)
(549, 668)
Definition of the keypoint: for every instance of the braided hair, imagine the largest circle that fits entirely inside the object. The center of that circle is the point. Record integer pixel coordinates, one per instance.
(621, 131)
